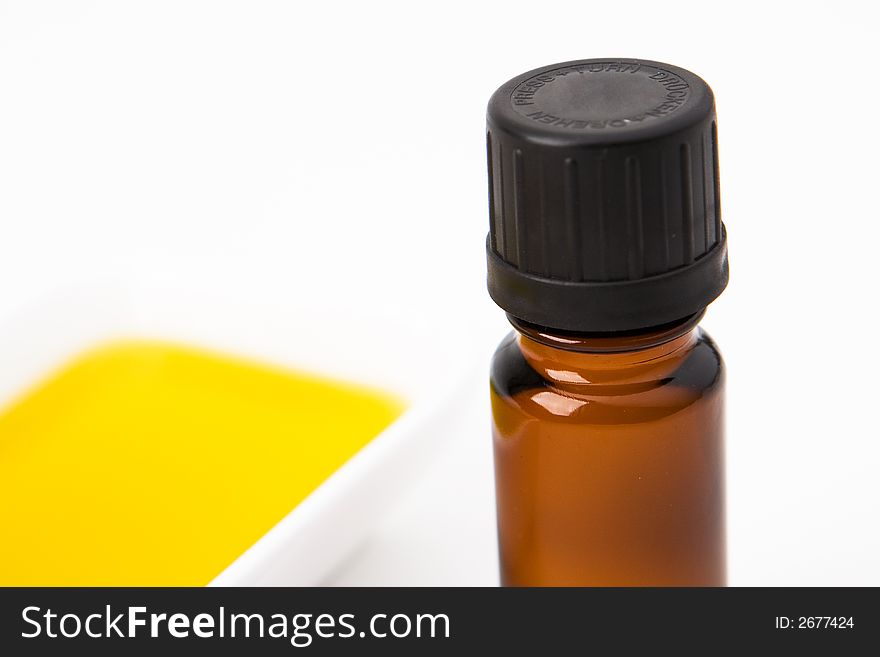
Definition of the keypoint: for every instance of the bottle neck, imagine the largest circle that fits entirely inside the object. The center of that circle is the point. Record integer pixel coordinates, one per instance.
(588, 358)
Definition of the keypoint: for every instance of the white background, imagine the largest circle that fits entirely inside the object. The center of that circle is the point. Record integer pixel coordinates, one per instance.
(335, 151)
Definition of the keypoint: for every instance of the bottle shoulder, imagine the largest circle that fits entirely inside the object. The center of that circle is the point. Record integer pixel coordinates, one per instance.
(652, 389)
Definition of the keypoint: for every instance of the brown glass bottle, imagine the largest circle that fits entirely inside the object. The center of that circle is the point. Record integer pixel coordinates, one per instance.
(605, 247)
(609, 458)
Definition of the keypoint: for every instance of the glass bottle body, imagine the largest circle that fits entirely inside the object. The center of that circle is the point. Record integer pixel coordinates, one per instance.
(609, 458)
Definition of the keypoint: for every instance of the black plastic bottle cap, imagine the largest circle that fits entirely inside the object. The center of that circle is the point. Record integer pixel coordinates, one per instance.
(603, 196)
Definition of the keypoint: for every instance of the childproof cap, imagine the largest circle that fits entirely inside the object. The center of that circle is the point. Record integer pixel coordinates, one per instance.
(603, 196)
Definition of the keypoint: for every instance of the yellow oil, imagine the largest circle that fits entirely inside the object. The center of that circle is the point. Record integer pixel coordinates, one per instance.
(144, 463)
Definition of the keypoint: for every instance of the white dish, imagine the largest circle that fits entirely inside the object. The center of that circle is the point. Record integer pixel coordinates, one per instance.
(387, 349)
